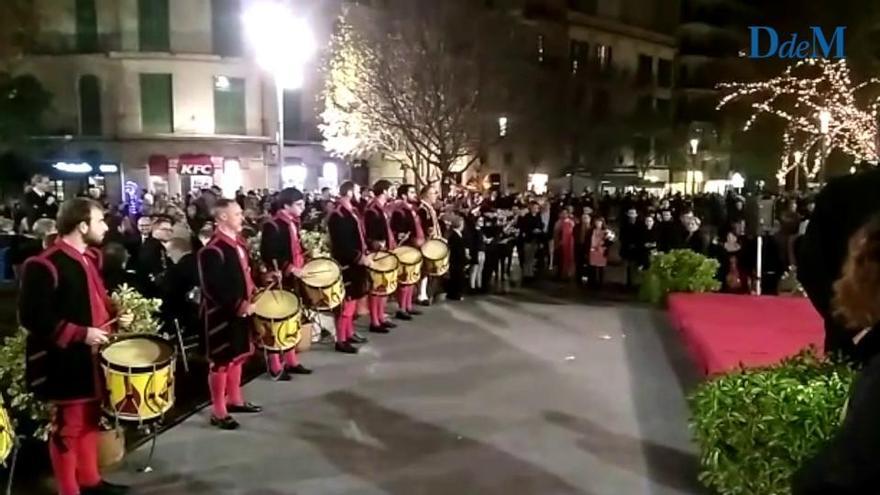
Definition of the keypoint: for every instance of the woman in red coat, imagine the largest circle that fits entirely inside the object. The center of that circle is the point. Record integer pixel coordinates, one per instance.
(564, 238)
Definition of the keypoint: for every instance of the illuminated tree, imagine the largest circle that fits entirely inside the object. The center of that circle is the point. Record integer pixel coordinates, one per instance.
(416, 81)
(801, 96)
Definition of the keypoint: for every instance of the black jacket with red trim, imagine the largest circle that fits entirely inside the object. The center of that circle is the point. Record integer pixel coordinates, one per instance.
(55, 309)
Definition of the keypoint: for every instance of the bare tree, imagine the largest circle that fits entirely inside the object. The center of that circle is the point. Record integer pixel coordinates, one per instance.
(419, 81)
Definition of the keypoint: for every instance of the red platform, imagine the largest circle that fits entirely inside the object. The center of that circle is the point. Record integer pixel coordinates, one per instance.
(724, 331)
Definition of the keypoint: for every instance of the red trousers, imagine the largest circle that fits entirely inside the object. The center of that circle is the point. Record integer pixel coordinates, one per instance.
(377, 309)
(225, 384)
(405, 297)
(73, 446)
(345, 320)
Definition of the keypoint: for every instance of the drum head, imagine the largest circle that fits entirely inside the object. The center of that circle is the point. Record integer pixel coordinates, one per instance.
(435, 249)
(276, 305)
(383, 262)
(408, 255)
(137, 352)
(321, 273)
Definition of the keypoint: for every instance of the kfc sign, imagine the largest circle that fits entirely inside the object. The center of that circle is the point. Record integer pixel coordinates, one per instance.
(196, 169)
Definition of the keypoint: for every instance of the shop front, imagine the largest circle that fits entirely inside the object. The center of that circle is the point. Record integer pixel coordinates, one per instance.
(192, 171)
(75, 177)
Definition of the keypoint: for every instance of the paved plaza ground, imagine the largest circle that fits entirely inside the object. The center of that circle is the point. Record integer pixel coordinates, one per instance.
(530, 393)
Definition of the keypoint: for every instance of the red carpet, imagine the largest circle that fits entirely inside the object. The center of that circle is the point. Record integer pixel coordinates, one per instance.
(724, 331)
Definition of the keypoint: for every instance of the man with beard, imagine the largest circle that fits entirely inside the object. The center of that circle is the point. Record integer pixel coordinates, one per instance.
(65, 308)
(349, 248)
(227, 292)
(379, 237)
(407, 228)
(282, 252)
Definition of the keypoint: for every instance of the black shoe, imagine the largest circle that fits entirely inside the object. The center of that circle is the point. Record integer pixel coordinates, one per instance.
(358, 339)
(298, 370)
(227, 423)
(346, 348)
(379, 329)
(414, 312)
(423, 302)
(246, 408)
(106, 488)
(403, 315)
(281, 377)
(388, 325)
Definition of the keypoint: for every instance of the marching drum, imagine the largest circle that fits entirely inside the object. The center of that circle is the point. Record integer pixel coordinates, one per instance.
(322, 284)
(277, 320)
(410, 265)
(139, 373)
(7, 435)
(384, 268)
(436, 253)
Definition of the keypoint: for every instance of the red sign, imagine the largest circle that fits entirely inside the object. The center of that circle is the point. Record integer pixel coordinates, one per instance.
(195, 169)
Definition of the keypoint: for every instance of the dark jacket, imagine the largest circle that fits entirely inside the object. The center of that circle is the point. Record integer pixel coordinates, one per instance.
(181, 279)
(37, 207)
(377, 227)
(347, 246)
(277, 244)
(55, 308)
(629, 239)
(151, 267)
(226, 292)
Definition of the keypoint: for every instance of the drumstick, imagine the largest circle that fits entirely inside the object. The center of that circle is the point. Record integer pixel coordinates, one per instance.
(275, 263)
(105, 325)
(318, 272)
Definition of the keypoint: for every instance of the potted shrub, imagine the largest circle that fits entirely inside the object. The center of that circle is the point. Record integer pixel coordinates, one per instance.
(680, 270)
(756, 427)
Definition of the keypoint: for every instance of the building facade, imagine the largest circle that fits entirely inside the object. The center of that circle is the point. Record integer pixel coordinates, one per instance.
(163, 95)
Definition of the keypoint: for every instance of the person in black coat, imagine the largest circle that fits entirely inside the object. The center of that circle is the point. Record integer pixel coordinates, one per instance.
(842, 207)
(408, 231)
(152, 257)
(181, 292)
(531, 231)
(67, 313)
(227, 291)
(39, 202)
(349, 248)
(849, 464)
(629, 243)
(648, 242)
(458, 261)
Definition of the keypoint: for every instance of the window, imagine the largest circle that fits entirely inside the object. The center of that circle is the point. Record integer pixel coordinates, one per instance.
(541, 41)
(229, 106)
(601, 103)
(90, 106)
(293, 114)
(157, 114)
(86, 26)
(645, 71)
(603, 57)
(580, 55)
(664, 107)
(583, 6)
(226, 27)
(664, 73)
(153, 29)
(644, 104)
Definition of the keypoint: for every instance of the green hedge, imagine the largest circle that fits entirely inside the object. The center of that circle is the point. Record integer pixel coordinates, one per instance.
(755, 427)
(680, 270)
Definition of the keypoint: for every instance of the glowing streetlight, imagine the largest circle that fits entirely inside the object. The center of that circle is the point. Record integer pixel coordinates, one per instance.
(283, 44)
(695, 145)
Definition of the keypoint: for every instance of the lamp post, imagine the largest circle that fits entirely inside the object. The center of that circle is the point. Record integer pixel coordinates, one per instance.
(694, 148)
(824, 124)
(282, 44)
(797, 170)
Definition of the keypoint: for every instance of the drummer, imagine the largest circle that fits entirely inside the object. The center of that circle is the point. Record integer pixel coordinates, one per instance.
(348, 247)
(408, 231)
(431, 227)
(282, 253)
(65, 308)
(379, 238)
(227, 293)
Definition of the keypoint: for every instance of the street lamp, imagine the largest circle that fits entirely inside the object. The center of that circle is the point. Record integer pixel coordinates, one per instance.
(283, 44)
(824, 124)
(695, 148)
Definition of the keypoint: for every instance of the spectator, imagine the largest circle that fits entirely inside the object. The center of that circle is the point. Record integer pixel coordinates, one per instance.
(600, 239)
(39, 202)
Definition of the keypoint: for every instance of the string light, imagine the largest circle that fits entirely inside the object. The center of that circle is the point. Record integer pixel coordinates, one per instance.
(804, 91)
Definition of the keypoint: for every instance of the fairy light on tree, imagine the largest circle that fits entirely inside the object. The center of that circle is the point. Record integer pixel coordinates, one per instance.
(820, 105)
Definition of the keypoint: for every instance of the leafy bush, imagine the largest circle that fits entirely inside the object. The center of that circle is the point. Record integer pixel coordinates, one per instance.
(30, 417)
(680, 270)
(128, 300)
(316, 244)
(756, 427)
